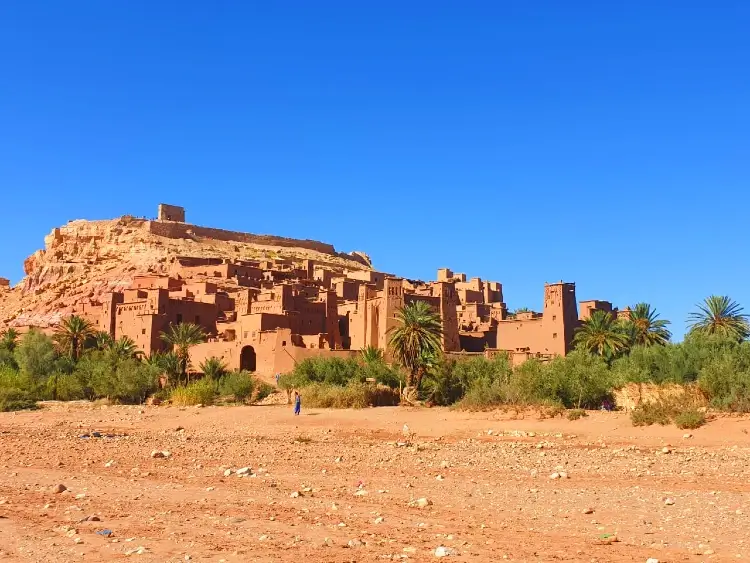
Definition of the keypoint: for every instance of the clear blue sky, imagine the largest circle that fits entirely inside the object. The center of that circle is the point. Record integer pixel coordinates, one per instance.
(605, 143)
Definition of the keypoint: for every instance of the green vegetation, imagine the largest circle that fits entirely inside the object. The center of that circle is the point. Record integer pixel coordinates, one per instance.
(415, 343)
(238, 384)
(354, 395)
(201, 392)
(181, 337)
(722, 316)
(78, 363)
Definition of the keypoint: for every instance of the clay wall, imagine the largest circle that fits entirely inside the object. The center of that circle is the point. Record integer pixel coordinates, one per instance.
(155, 282)
(588, 307)
(347, 289)
(185, 230)
(171, 213)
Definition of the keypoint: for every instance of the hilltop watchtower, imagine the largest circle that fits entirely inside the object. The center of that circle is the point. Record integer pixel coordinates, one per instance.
(171, 213)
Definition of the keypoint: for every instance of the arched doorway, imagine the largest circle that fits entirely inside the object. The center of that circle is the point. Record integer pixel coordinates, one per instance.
(247, 358)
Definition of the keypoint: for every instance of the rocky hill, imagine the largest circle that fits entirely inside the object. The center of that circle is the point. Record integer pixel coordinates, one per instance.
(83, 260)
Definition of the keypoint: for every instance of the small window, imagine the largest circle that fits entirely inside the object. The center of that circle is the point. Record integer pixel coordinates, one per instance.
(143, 331)
(554, 317)
(244, 334)
(283, 342)
(554, 335)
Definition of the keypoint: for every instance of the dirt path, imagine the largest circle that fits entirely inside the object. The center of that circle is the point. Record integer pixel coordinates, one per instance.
(335, 486)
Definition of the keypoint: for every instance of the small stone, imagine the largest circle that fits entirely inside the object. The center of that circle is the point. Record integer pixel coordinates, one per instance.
(666, 450)
(563, 475)
(443, 551)
(669, 501)
(531, 434)
(708, 552)
(295, 494)
(440, 478)
(57, 489)
(361, 493)
(227, 472)
(263, 538)
(110, 463)
(688, 435)
(420, 503)
(378, 520)
(78, 541)
(554, 476)
(354, 543)
(652, 560)
(588, 510)
(156, 454)
(243, 471)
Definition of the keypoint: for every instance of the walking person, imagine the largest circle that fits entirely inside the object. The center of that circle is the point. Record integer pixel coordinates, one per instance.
(297, 403)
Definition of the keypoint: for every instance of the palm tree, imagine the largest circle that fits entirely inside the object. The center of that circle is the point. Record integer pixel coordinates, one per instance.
(124, 348)
(102, 340)
(372, 354)
(168, 364)
(181, 337)
(720, 315)
(601, 335)
(71, 335)
(522, 310)
(213, 368)
(416, 338)
(646, 327)
(9, 339)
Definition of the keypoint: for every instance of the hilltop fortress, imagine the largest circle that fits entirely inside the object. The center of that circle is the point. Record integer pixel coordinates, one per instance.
(265, 302)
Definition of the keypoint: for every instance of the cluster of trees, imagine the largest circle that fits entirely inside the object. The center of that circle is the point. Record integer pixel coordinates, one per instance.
(608, 353)
(77, 362)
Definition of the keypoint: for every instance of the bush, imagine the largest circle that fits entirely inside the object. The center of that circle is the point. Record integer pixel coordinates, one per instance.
(239, 384)
(575, 414)
(121, 380)
(339, 371)
(689, 419)
(36, 356)
(264, 390)
(647, 414)
(68, 387)
(201, 392)
(726, 381)
(15, 400)
(353, 396)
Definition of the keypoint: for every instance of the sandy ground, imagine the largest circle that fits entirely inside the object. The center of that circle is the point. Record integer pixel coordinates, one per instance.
(336, 486)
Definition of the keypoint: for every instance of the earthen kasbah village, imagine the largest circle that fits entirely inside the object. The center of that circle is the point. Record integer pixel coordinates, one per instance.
(265, 302)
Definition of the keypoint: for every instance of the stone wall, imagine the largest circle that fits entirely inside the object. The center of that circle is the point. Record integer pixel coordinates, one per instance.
(184, 230)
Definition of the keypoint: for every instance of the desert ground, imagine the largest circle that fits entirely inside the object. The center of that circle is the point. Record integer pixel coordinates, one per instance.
(340, 486)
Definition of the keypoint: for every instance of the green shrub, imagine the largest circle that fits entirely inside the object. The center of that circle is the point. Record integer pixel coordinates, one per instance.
(647, 414)
(122, 380)
(575, 414)
(725, 380)
(238, 384)
(65, 387)
(36, 356)
(353, 396)
(15, 400)
(201, 392)
(690, 419)
(263, 391)
(339, 371)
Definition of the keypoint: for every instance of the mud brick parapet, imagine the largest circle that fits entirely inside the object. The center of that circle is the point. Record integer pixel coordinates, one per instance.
(184, 230)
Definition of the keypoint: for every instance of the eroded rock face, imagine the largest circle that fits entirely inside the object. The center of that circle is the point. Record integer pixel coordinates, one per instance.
(84, 260)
